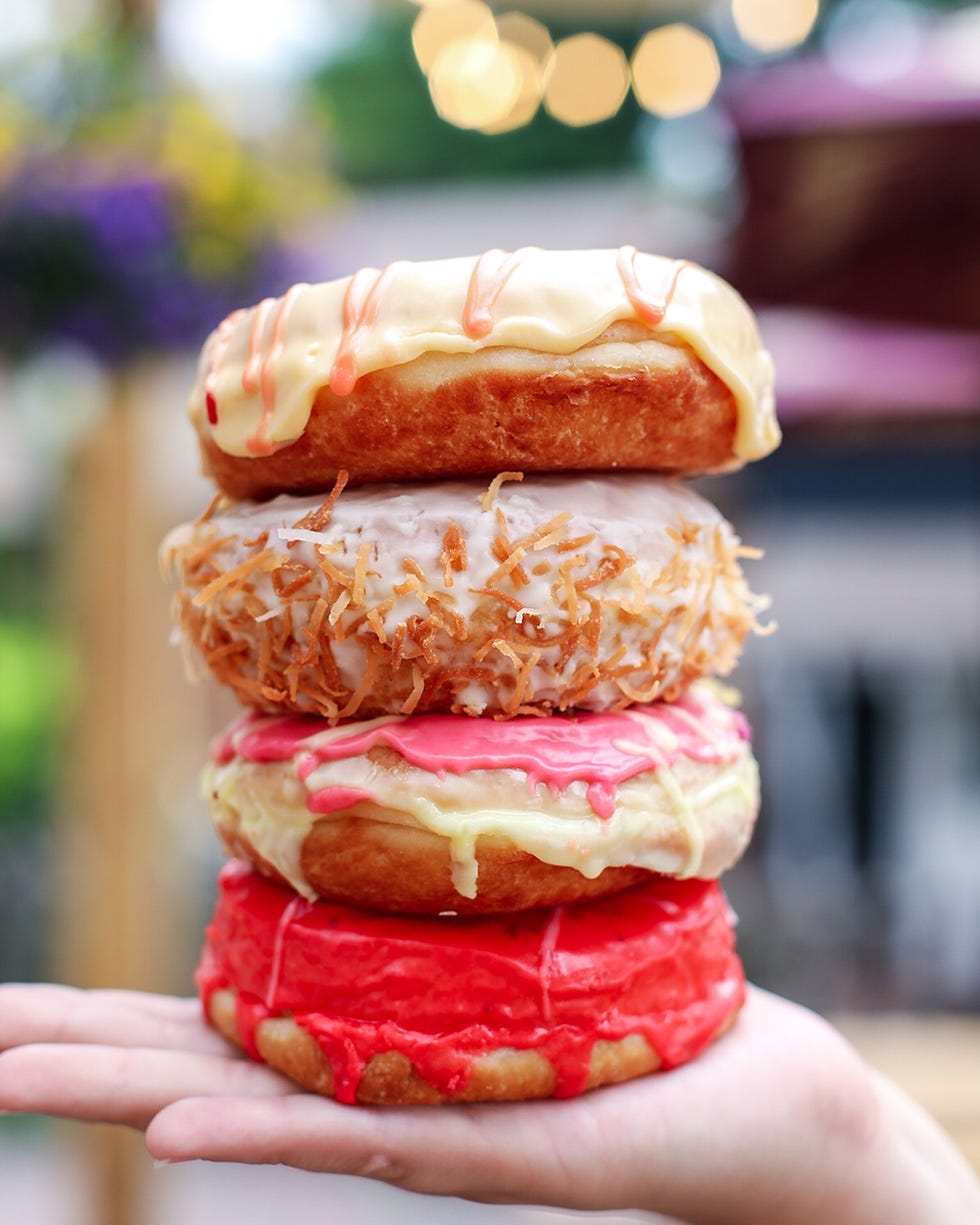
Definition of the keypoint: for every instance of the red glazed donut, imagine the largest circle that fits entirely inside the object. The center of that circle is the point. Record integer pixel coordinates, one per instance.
(371, 1007)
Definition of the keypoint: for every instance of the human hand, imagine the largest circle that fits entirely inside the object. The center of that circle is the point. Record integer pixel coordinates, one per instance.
(777, 1122)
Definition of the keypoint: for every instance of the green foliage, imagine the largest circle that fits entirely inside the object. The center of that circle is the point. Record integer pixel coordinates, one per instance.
(35, 673)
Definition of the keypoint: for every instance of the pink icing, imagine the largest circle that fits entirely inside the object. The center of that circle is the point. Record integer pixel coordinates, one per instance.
(491, 272)
(362, 301)
(333, 799)
(601, 749)
(258, 443)
(651, 309)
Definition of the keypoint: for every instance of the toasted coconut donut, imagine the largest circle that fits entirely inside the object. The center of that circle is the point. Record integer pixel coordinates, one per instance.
(431, 813)
(553, 593)
(542, 360)
(375, 1008)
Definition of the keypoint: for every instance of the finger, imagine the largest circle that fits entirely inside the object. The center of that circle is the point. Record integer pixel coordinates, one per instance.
(123, 1085)
(37, 1013)
(494, 1154)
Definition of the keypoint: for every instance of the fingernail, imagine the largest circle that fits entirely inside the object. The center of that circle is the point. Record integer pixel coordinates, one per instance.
(160, 1162)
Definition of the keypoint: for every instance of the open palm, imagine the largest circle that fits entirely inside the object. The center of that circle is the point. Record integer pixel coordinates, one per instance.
(779, 1121)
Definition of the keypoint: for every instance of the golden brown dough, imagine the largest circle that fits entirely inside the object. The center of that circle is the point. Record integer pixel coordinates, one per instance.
(380, 853)
(391, 1080)
(626, 401)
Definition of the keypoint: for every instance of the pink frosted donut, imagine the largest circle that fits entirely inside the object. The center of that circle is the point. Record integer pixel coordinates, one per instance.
(433, 813)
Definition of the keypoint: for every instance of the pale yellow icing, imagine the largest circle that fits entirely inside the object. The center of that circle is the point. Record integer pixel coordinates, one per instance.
(264, 366)
(712, 805)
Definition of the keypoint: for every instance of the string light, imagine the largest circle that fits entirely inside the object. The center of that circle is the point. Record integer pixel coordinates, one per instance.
(675, 70)
(475, 82)
(528, 97)
(527, 33)
(440, 25)
(492, 73)
(587, 80)
(774, 25)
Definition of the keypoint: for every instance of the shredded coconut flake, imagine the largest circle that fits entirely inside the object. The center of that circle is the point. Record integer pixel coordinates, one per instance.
(490, 496)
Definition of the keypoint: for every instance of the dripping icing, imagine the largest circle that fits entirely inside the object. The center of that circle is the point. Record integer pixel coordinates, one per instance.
(491, 272)
(362, 983)
(559, 302)
(222, 339)
(649, 309)
(360, 312)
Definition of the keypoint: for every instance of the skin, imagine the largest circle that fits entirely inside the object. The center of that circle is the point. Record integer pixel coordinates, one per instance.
(779, 1121)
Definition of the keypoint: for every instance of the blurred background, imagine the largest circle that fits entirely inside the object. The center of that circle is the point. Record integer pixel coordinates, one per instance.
(163, 161)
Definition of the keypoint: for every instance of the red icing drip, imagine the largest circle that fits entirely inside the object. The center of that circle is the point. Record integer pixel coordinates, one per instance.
(491, 272)
(601, 749)
(222, 339)
(651, 310)
(362, 301)
(258, 443)
(658, 961)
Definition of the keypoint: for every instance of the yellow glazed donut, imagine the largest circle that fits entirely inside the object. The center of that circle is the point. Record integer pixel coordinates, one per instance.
(543, 361)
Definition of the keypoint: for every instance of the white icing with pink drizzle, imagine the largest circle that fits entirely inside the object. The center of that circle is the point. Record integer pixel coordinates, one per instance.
(601, 749)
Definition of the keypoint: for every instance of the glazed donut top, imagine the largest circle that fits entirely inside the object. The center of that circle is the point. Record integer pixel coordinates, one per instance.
(261, 369)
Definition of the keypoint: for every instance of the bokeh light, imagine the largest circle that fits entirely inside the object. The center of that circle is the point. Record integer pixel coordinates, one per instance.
(872, 41)
(957, 44)
(528, 97)
(208, 39)
(527, 33)
(774, 25)
(675, 70)
(587, 80)
(475, 82)
(440, 25)
(28, 27)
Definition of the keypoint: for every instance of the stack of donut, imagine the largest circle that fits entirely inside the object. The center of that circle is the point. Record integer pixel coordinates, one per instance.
(482, 791)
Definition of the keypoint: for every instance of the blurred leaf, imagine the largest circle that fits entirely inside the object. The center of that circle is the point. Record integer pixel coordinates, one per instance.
(35, 681)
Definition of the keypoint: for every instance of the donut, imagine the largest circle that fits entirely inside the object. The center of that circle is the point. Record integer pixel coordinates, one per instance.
(539, 361)
(371, 1007)
(433, 813)
(524, 597)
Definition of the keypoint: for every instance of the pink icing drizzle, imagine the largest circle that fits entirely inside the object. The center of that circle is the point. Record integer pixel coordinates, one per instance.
(253, 362)
(333, 799)
(258, 443)
(491, 272)
(602, 749)
(649, 309)
(362, 301)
